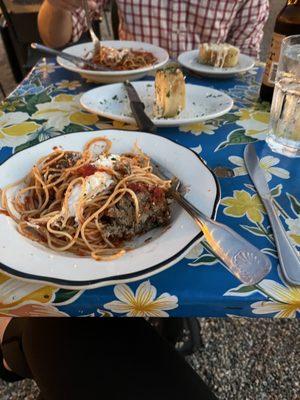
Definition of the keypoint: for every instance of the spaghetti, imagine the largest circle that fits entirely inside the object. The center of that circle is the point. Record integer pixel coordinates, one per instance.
(89, 203)
(124, 59)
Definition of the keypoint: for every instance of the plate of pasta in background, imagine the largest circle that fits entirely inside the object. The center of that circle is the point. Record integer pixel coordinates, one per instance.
(85, 210)
(121, 59)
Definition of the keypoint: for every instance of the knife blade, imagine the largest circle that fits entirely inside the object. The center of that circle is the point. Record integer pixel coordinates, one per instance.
(78, 61)
(138, 110)
(289, 259)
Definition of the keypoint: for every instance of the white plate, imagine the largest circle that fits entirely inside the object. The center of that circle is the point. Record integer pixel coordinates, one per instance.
(26, 259)
(189, 60)
(81, 50)
(111, 101)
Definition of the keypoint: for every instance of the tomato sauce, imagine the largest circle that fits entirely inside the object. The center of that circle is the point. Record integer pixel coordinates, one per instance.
(87, 170)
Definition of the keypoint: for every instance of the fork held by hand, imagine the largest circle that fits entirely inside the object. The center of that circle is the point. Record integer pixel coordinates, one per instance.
(95, 40)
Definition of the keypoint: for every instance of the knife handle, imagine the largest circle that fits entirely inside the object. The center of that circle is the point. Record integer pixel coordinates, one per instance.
(287, 254)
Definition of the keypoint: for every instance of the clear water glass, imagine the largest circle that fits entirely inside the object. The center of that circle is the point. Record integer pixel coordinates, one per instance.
(284, 133)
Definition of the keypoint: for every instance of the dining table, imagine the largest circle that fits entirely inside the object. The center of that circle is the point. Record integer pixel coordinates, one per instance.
(46, 104)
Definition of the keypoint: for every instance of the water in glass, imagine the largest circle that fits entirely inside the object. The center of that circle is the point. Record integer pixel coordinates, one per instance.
(284, 135)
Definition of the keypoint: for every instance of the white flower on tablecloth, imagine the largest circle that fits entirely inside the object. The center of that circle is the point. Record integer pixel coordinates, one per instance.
(255, 122)
(195, 252)
(69, 85)
(103, 313)
(15, 128)
(197, 149)
(63, 110)
(142, 303)
(284, 301)
(46, 68)
(198, 128)
(14, 292)
(20, 298)
(294, 229)
(267, 163)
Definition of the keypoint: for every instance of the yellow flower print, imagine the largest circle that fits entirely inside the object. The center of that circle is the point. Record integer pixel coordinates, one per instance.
(116, 125)
(14, 292)
(142, 303)
(261, 116)
(14, 128)
(63, 110)
(20, 298)
(46, 68)
(243, 114)
(284, 300)
(70, 85)
(242, 203)
(198, 128)
(294, 229)
(255, 122)
(61, 98)
(83, 118)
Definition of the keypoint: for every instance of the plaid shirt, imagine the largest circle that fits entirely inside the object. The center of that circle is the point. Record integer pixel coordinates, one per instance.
(180, 25)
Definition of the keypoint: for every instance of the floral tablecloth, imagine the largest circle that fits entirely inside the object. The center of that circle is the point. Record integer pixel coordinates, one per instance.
(46, 104)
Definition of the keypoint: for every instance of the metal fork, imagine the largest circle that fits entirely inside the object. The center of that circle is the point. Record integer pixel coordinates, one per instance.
(241, 258)
(94, 37)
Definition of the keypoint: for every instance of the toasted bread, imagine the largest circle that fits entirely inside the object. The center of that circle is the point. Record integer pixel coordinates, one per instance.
(221, 55)
(169, 91)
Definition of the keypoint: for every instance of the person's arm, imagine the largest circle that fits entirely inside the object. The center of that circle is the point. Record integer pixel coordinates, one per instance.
(63, 21)
(55, 21)
(246, 31)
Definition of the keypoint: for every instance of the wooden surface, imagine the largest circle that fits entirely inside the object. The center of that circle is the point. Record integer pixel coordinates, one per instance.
(22, 6)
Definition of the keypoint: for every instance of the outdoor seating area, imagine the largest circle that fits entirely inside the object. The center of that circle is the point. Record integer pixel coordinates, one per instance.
(149, 199)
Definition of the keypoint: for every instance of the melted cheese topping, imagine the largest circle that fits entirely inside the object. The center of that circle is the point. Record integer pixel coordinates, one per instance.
(218, 54)
(106, 161)
(93, 184)
(73, 199)
(97, 183)
(115, 55)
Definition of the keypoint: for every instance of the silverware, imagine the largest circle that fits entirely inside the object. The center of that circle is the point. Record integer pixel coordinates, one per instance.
(78, 61)
(241, 258)
(94, 37)
(138, 110)
(288, 258)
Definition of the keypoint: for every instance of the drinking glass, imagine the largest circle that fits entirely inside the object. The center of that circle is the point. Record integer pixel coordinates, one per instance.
(284, 132)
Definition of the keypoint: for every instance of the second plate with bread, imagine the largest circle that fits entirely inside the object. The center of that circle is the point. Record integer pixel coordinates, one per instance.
(216, 60)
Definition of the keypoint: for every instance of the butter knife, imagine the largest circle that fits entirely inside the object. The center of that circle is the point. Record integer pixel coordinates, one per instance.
(246, 262)
(78, 61)
(138, 110)
(288, 258)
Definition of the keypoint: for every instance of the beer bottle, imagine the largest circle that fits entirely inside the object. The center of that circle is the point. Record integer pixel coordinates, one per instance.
(287, 23)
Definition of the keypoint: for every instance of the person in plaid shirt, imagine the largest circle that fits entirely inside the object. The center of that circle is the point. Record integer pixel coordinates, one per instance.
(177, 25)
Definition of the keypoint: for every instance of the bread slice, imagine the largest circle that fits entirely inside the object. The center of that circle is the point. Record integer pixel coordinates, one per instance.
(221, 55)
(169, 91)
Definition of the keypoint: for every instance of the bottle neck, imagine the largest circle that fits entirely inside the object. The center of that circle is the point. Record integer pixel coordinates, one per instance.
(293, 3)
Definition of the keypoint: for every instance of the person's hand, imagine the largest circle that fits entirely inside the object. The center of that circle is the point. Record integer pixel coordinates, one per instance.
(70, 5)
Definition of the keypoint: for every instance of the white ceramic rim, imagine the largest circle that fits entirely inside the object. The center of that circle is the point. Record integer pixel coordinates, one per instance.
(160, 122)
(159, 52)
(212, 201)
(209, 69)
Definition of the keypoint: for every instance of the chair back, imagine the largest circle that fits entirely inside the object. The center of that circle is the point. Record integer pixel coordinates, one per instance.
(115, 19)
(19, 31)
